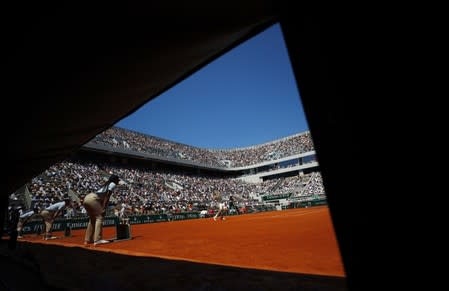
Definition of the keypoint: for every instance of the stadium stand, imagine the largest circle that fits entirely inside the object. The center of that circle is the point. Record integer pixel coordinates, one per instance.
(160, 191)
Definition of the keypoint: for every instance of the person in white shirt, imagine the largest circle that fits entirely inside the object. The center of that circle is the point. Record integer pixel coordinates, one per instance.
(222, 209)
(83, 210)
(50, 213)
(95, 205)
(123, 208)
(23, 219)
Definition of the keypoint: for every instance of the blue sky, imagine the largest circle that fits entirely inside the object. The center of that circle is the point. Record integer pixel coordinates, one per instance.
(247, 96)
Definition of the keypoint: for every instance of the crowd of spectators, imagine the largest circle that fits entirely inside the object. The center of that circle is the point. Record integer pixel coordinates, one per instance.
(313, 189)
(156, 192)
(238, 157)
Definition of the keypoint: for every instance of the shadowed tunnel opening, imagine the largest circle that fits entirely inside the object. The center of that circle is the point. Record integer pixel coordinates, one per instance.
(68, 64)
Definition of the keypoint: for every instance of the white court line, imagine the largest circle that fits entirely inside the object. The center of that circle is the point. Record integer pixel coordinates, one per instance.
(283, 216)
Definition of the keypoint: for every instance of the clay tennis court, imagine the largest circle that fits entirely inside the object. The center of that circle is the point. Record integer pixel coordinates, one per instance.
(300, 241)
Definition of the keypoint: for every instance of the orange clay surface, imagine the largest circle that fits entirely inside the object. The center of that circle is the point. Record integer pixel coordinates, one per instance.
(297, 240)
